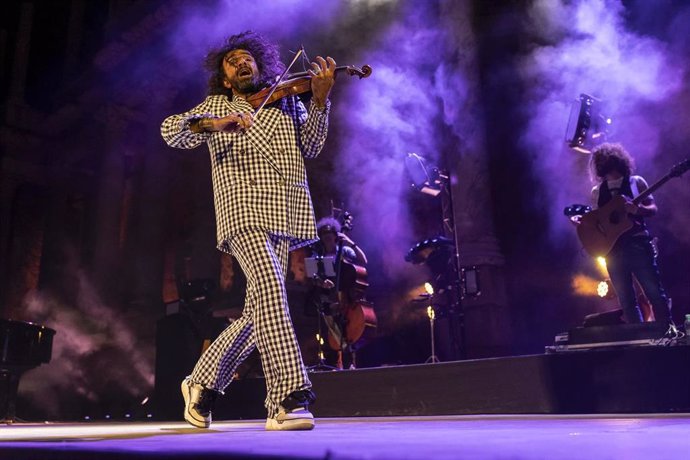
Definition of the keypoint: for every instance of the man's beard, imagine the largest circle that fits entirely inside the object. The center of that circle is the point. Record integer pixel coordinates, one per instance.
(247, 85)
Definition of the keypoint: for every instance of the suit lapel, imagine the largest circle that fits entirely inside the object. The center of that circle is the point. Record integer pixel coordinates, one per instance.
(259, 134)
(258, 138)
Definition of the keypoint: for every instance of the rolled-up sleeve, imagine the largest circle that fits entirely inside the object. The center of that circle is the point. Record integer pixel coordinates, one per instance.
(175, 129)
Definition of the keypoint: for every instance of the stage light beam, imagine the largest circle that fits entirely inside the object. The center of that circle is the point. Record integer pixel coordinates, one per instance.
(584, 285)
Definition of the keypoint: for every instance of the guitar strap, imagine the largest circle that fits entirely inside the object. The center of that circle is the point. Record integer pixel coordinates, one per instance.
(633, 186)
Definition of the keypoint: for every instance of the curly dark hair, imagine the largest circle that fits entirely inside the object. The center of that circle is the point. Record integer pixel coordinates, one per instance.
(265, 53)
(609, 157)
(328, 224)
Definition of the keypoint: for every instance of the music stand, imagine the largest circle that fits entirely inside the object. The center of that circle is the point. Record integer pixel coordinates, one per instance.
(320, 267)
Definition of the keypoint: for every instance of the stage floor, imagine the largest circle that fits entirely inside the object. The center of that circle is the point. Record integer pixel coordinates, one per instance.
(630, 437)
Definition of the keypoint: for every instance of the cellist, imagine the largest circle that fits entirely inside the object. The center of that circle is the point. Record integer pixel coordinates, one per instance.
(331, 237)
(330, 233)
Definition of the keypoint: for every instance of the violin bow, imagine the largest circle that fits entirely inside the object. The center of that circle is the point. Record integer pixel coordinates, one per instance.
(278, 81)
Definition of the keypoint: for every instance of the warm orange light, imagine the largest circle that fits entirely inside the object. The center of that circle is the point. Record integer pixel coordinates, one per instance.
(584, 285)
(601, 264)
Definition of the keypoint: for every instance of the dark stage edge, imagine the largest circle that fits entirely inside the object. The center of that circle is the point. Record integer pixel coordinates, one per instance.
(649, 379)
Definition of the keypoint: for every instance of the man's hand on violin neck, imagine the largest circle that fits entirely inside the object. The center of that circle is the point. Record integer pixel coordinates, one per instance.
(322, 79)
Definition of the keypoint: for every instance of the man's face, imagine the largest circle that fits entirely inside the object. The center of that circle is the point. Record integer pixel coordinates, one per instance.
(329, 240)
(241, 72)
(604, 164)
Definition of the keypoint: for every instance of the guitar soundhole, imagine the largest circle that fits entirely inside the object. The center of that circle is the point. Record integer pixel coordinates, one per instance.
(615, 218)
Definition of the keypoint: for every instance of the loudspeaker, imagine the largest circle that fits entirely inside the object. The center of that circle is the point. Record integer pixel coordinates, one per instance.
(617, 333)
(606, 318)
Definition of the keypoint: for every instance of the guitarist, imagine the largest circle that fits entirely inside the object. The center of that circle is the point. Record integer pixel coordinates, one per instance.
(633, 254)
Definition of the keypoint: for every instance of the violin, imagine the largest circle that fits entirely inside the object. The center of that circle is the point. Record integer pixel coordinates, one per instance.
(298, 83)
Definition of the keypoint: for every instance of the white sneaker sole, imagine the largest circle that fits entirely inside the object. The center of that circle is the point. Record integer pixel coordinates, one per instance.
(302, 422)
(189, 418)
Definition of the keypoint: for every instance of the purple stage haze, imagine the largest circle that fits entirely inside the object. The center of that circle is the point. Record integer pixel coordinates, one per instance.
(439, 67)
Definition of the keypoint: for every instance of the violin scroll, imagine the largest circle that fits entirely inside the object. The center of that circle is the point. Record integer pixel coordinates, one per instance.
(363, 72)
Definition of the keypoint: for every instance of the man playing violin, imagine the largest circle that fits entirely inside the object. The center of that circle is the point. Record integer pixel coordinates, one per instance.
(263, 209)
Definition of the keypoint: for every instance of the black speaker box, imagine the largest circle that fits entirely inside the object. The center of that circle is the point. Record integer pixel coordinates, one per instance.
(617, 333)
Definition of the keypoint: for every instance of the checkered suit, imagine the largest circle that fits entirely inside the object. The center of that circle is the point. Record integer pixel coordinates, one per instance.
(263, 209)
(259, 180)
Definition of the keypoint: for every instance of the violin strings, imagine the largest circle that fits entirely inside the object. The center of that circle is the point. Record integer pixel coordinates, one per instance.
(306, 62)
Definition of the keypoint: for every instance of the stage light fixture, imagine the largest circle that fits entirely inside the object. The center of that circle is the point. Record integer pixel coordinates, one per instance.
(587, 125)
(602, 262)
(433, 251)
(470, 281)
(602, 289)
(429, 288)
(426, 179)
(601, 267)
(605, 289)
(440, 253)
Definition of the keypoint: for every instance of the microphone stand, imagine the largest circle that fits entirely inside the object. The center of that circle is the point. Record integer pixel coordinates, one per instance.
(341, 311)
(321, 365)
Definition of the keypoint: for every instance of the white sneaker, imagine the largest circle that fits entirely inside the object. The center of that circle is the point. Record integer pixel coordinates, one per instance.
(294, 412)
(198, 403)
(297, 419)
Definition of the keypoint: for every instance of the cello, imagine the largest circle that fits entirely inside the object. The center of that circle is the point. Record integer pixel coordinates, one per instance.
(354, 313)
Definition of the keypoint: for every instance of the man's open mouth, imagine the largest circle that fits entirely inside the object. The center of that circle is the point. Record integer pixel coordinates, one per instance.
(244, 72)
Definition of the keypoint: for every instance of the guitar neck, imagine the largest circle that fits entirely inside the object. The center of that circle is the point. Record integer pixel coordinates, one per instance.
(639, 198)
(677, 171)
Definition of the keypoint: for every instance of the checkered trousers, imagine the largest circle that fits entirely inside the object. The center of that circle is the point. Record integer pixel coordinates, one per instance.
(259, 179)
(265, 323)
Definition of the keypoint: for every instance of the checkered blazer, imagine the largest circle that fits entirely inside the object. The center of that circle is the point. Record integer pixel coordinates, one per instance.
(259, 180)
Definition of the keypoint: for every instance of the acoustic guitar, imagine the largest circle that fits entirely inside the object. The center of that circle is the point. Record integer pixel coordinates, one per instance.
(599, 229)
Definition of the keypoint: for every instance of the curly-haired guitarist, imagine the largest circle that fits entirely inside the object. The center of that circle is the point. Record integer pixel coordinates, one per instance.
(633, 253)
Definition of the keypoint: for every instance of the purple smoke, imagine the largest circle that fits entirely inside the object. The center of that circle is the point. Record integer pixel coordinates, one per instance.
(400, 111)
(95, 349)
(590, 49)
